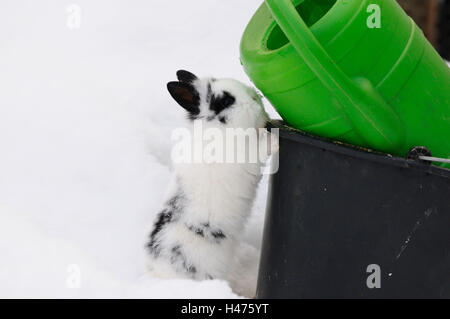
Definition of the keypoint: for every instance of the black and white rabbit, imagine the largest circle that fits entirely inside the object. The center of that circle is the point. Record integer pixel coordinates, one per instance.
(197, 233)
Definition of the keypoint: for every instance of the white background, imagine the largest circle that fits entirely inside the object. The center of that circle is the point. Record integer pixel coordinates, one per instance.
(85, 123)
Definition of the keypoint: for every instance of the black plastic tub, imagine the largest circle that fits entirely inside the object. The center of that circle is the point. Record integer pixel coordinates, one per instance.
(335, 210)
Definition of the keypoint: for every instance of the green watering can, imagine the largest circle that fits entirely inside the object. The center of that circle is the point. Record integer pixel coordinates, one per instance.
(358, 71)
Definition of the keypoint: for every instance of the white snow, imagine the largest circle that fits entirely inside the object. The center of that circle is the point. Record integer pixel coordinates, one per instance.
(85, 123)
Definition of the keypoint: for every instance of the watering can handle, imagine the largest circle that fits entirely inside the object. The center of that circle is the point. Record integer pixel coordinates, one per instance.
(372, 118)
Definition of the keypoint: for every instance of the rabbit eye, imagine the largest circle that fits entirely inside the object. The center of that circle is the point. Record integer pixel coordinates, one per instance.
(218, 104)
(227, 100)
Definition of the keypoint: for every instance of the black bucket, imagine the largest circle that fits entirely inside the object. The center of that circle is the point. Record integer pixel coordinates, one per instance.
(344, 222)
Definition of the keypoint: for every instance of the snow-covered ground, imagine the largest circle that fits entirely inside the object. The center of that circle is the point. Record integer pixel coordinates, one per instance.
(85, 124)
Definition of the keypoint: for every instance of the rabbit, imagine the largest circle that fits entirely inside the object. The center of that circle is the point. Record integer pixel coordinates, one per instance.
(197, 233)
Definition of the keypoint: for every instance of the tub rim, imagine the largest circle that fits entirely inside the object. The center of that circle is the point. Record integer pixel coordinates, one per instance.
(343, 148)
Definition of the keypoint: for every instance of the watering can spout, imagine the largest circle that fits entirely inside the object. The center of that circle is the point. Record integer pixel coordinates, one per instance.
(370, 116)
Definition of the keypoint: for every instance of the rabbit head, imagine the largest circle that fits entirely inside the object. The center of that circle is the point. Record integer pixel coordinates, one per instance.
(218, 102)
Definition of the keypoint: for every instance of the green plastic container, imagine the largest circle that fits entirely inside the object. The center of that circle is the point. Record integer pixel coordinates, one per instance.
(330, 74)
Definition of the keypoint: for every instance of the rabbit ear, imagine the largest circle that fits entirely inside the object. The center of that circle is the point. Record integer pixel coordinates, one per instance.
(186, 76)
(186, 95)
